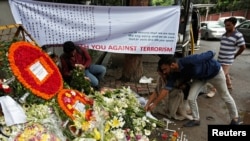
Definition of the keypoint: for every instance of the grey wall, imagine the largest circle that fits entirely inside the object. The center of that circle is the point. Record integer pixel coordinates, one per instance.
(5, 13)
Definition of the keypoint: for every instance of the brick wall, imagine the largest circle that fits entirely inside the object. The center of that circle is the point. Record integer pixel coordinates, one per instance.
(216, 16)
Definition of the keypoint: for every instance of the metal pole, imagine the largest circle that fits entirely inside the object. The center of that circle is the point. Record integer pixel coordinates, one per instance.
(207, 8)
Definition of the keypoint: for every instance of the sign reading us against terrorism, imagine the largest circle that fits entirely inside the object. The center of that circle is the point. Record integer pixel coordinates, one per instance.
(118, 29)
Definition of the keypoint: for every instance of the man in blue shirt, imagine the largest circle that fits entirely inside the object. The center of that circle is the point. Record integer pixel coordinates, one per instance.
(200, 69)
(167, 100)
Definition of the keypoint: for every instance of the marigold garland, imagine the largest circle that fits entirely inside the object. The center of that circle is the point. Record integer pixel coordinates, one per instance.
(67, 98)
(21, 56)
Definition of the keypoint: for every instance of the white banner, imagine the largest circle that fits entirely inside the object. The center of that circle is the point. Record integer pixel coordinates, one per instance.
(118, 29)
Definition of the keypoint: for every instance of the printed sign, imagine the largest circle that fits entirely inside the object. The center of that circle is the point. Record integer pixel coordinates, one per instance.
(118, 29)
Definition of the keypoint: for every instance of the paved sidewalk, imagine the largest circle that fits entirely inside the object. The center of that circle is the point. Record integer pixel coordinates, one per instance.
(114, 63)
(140, 88)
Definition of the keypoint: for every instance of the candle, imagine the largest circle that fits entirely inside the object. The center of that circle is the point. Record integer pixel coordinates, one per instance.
(23, 98)
(167, 124)
(181, 135)
(184, 137)
(8, 81)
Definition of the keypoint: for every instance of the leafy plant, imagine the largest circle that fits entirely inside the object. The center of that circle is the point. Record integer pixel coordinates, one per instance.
(16, 86)
(80, 82)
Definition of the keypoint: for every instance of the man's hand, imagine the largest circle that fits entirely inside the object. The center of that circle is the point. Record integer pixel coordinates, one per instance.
(150, 107)
(87, 78)
(80, 66)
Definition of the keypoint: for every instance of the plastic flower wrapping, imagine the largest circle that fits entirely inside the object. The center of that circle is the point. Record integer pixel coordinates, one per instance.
(116, 115)
(42, 125)
(34, 132)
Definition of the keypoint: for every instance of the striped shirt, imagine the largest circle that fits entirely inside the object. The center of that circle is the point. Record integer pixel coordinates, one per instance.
(228, 47)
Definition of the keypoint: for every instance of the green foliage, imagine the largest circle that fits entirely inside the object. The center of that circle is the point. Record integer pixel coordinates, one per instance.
(162, 2)
(16, 86)
(80, 83)
(223, 5)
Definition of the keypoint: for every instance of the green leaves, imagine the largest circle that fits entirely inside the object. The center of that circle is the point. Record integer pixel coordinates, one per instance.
(80, 82)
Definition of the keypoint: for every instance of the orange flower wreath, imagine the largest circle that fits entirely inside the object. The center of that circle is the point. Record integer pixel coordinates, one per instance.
(35, 69)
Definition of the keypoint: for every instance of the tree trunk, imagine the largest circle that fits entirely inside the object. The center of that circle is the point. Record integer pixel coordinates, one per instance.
(139, 2)
(133, 67)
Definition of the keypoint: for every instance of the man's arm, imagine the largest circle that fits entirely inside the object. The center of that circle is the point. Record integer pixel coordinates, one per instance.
(150, 100)
(163, 93)
(64, 67)
(242, 48)
(87, 57)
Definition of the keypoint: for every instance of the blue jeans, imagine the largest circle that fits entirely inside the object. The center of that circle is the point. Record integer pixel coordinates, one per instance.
(95, 73)
(219, 82)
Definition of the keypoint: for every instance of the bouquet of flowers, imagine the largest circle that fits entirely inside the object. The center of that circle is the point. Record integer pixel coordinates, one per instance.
(117, 115)
(35, 131)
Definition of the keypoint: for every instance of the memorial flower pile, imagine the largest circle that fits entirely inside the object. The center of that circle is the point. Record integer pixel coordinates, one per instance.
(117, 115)
(109, 115)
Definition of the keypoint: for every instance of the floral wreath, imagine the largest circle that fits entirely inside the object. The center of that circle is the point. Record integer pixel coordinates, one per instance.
(35, 69)
(73, 101)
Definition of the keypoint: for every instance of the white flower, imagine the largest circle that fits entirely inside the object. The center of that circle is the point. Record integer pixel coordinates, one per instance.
(117, 122)
(5, 86)
(73, 93)
(147, 132)
(119, 133)
(116, 109)
(154, 125)
(108, 100)
(144, 138)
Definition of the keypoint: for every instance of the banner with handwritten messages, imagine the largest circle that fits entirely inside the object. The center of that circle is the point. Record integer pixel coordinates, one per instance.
(118, 29)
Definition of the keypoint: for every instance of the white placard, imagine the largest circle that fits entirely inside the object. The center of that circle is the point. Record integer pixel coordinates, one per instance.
(79, 106)
(38, 70)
